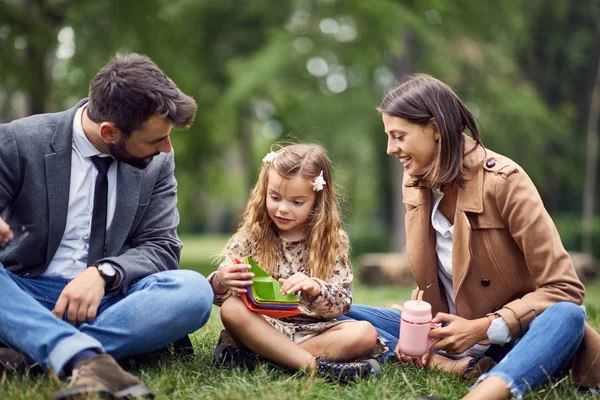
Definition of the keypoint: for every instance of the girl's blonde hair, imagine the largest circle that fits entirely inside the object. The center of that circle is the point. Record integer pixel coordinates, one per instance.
(323, 227)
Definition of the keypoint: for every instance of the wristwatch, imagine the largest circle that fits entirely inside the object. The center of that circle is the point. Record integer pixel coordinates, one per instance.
(108, 273)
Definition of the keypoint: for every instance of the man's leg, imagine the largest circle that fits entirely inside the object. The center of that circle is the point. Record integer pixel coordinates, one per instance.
(36, 332)
(153, 313)
(385, 320)
(29, 327)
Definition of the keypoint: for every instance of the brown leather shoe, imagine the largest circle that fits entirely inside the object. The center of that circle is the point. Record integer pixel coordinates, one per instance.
(12, 362)
(102, 376)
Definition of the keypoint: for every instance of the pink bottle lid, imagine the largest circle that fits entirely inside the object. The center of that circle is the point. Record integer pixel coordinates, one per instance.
(417, 312)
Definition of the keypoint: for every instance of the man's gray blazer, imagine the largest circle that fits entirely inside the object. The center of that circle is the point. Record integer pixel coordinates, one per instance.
(35, 174)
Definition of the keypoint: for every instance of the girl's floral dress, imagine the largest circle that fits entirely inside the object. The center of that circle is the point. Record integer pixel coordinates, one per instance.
(318, 315)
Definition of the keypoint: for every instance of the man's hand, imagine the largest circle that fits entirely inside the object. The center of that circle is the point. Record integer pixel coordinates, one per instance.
(6, 234)
(81, 297)
(460, 334)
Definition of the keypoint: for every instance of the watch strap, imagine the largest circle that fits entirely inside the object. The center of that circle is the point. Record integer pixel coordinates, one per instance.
(110, 280)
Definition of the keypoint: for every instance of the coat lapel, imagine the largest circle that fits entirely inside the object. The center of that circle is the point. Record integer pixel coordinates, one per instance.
(129, 182)
(420, 246)
(58, 176)
(469, 200)
(58, 179)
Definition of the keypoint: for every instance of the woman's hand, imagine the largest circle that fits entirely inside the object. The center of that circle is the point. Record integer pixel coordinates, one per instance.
(460, 334)
(234, 277)
(420, 362)
(300, 281)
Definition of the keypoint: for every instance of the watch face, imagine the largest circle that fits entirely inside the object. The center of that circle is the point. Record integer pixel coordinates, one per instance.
(107, 270)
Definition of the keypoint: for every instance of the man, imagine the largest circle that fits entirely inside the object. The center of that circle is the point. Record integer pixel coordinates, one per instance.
(94, 189)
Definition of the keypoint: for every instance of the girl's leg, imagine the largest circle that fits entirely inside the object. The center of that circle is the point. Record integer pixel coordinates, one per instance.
(543, 352)
(259, 336)
(343, 342)
(385, 320)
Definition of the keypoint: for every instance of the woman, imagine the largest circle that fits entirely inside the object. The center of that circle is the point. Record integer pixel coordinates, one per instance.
(485, 252)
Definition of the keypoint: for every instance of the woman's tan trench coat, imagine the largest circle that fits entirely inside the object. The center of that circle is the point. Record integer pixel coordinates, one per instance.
(507, 255)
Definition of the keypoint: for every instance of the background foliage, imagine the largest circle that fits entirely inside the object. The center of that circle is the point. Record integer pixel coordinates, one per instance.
(314, 70)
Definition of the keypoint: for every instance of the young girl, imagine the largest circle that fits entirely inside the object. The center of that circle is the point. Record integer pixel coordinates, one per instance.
(484, 250)
(292, 228)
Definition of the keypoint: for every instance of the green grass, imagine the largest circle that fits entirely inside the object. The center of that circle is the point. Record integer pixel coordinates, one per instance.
(196, 378)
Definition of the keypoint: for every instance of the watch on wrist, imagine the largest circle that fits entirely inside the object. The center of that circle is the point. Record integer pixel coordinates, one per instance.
(108, 273)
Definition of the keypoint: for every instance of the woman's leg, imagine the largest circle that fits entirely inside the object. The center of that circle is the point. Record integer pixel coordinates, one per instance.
(343, 342)
(259, 336)
(545, 351)
(387, 323)
(385, 320)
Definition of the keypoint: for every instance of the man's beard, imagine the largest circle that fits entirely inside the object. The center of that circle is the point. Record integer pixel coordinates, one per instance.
(120, 153)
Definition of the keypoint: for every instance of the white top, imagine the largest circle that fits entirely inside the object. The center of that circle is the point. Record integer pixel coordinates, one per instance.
(71, 256)
(444, 235)
(498, 333)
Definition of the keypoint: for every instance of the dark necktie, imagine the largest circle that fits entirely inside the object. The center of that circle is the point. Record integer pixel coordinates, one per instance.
(98, 231)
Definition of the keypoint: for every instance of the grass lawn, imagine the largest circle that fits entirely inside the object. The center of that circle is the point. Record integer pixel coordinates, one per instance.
(196, 378)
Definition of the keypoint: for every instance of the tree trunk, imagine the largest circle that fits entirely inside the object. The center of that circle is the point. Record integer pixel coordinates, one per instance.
(247, 148)
(591, 166)
(39, 85)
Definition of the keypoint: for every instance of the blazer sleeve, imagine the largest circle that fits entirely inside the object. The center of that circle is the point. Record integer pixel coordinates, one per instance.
(548, 262)
(154, 245)
(10, 171)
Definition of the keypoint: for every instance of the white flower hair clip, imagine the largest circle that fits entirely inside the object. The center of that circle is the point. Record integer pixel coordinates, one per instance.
(319, 182)
(269, 157)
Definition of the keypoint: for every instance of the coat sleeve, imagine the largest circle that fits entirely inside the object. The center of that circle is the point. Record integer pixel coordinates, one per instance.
(154, 245)
(548, 262)
(335, 298)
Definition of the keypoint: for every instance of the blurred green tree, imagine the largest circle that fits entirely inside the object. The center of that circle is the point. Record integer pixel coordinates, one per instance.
(314, 70)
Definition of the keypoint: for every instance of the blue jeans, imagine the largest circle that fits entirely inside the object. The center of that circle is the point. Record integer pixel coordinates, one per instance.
(154, 312)
(544, 351)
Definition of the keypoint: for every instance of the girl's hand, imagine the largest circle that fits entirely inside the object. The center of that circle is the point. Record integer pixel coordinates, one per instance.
(460, 334)
(299, 281)
(419, 362)
(232, 277)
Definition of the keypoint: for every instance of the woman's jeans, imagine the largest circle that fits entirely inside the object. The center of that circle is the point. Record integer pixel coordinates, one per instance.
(545, 351)
(154, 312)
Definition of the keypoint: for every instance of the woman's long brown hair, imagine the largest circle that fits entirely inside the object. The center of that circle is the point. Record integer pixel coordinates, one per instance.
(421, 98)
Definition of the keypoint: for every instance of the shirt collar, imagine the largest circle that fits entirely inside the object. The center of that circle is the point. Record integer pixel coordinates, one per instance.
(439, 222)
(80, 142)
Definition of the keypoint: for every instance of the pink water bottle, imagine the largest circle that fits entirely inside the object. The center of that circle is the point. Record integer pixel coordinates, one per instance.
(414, 328)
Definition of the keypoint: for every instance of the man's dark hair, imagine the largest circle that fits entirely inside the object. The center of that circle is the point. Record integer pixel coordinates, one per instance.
(130, 89)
